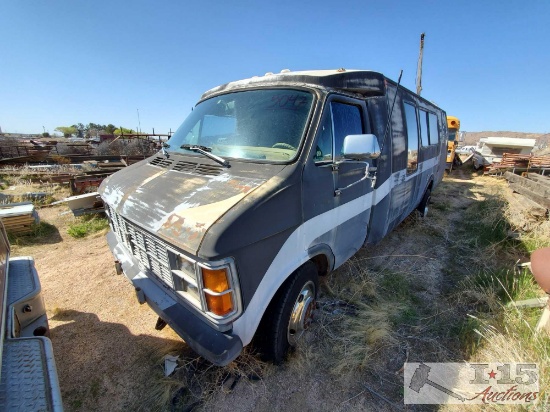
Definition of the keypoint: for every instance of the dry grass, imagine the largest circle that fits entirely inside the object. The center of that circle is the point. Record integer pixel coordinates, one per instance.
(378, 306)
(496, 330)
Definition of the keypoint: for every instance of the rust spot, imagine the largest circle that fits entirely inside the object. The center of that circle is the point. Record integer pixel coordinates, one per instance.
(237, 185)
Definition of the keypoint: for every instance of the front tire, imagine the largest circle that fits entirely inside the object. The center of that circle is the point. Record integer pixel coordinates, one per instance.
(423, 206)
(289, 314)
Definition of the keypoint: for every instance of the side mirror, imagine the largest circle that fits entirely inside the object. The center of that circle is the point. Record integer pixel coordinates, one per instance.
(361, 147)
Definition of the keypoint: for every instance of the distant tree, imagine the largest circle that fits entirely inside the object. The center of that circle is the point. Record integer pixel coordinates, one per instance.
(94, 129)
(45, 134)
(80, 129)
(123, 130)
(110, 129)
(67, 131)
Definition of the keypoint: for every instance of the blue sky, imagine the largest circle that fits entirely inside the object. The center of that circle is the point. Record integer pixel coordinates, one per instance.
(69, 61)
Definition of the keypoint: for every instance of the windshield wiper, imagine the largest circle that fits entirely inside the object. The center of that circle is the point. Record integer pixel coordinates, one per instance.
(206, 152)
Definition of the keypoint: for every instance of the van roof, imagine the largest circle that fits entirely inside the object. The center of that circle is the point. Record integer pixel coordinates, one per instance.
(365, 82)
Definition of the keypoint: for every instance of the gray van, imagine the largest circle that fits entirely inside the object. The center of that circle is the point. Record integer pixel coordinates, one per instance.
(270, 183)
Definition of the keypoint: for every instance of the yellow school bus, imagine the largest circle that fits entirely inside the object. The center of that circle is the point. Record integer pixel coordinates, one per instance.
(453, 124)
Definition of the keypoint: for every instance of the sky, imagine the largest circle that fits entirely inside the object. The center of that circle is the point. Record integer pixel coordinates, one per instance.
(64, 62)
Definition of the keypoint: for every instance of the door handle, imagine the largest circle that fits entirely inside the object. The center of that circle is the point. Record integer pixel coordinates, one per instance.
(370, 173)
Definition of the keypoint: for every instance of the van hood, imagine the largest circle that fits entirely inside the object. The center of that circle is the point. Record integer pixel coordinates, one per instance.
(176, 206)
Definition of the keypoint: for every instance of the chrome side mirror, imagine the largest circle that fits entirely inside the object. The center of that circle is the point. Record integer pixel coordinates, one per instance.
(361, 147)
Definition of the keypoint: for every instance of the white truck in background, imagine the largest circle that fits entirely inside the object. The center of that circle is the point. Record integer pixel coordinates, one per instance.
(28, 375)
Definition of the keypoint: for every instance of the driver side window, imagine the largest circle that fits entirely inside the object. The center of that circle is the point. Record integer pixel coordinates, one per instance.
(340, 121)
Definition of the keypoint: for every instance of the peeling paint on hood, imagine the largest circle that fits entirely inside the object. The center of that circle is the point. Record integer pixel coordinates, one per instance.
(179, 207)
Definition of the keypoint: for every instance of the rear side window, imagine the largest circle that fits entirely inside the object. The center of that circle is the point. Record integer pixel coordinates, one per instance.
(424, 127)
(412, 137)
(434, 131)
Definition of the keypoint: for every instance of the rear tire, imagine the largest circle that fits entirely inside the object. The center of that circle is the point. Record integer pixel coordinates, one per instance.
(289, 314)
(423, 206)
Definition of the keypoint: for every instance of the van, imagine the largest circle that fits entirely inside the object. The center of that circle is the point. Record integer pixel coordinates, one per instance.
(270, 183)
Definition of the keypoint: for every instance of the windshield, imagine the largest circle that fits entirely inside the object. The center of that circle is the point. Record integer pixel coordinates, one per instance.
(452, 135)
(257, 125)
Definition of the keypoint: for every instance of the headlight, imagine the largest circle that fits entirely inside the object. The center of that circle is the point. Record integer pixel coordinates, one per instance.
(211, 287)
(187, 267)
(185, 279)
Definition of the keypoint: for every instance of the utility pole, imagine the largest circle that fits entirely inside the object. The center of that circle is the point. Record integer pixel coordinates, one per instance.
(419, 67)
(139, 122)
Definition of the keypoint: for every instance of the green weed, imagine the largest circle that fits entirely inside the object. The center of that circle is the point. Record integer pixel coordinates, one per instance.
(87, 225)
(507, 285)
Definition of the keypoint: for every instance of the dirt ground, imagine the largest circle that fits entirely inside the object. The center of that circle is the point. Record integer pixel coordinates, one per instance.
(108, 352)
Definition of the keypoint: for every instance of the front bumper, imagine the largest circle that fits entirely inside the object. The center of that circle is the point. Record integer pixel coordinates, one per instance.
(220, 348)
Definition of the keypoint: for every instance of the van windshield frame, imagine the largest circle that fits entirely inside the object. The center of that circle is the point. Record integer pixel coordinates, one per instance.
(264, 125)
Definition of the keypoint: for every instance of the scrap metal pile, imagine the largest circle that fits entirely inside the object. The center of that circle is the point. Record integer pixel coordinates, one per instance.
(63, 161)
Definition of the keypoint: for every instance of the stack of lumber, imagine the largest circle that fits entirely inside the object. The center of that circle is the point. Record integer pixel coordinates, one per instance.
(516, 161)
(18, 217)
(533, 186)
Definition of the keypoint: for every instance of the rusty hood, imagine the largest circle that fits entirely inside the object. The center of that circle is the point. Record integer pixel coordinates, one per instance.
(178, 207)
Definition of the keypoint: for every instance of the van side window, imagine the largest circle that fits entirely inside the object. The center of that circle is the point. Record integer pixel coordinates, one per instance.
(346, 120)
(424, 127)
(412, 138)
(434, 132)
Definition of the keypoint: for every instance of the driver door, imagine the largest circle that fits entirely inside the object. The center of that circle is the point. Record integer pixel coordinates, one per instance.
(345, 211)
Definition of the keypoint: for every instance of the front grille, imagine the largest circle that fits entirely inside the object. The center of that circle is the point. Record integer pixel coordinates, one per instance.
(151, 253)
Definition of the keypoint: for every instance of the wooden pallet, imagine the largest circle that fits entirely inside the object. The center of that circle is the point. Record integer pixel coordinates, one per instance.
(18, 217)
(530, 188)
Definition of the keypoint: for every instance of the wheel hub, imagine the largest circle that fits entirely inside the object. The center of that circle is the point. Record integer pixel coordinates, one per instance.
(300, 317)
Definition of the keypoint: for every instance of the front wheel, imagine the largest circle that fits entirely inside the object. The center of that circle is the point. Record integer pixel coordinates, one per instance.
(289, 314)
(423, 206)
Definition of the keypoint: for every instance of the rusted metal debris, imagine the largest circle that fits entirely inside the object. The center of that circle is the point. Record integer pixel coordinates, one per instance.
(23, 154)
(84, 204)
(87, 182)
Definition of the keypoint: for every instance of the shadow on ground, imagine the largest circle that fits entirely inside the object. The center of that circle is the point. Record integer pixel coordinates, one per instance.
(86, 343)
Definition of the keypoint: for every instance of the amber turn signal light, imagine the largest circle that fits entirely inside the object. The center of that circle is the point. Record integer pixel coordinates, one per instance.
(220, 305)
(215, 280)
